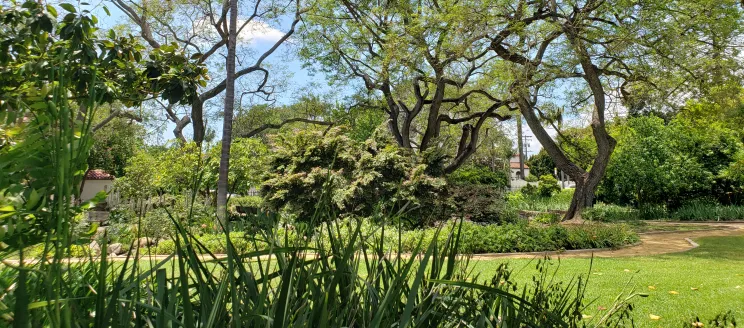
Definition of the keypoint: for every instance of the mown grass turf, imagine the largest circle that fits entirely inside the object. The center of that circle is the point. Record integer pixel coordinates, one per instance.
(715, 270)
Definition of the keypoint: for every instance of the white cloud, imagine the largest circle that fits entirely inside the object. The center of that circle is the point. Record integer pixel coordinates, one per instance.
(253, 32)
(257, 31)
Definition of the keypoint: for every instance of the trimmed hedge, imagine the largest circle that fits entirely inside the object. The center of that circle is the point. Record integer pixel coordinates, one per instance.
(475, 238)
(523, 237)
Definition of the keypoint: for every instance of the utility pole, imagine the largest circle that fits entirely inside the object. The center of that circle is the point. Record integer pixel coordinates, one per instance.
(526, 144)
(520, 146)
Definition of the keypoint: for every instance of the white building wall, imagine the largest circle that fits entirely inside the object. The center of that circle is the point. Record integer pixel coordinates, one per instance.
(514, 175)
(92, 187)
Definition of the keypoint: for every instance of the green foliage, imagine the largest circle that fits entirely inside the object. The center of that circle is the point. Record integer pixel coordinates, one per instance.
(579, 145)
(548, 186)
(115, 143)
(150, 173)
(446, 289)
(248, 162)
(529, 190)
(247, 201)
(547, 218)
(475, 238)
(479, 175)
(541, 164)
(705, 211)
(609, 213)
(356, 178)
(652, 212)
(481, 203)
(178, 168)
(55, 74)
(532, 238)
(531, 202)
(696, 210)
(655, 163)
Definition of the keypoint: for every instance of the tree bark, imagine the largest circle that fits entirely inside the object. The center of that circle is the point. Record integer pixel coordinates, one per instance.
(197, 117)
(222, 181)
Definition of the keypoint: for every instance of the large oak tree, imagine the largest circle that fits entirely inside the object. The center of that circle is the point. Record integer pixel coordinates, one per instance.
(422, 64)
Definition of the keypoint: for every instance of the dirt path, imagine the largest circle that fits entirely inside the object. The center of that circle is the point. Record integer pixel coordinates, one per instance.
(652, 243)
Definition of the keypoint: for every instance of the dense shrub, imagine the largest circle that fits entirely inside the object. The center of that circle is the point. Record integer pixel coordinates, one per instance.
(532, 238)
(481, 203)
(528, 190)
(479, 175)
(656, 163)
(522, 200)
(609, 213)
(548, 186)
(541, 164)
(547, 218)
(311, 168)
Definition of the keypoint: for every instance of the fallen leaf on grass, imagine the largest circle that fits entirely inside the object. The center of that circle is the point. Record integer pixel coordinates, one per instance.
(586, 316)
(601, 308)
(652, 287)
(673, 292)
(654, 317)
(737, 287)
(698, 324)
(694, 288)
(626, 270)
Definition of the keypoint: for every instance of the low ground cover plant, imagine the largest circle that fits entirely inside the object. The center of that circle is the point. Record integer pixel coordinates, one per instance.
(474, 239)
(529, 201)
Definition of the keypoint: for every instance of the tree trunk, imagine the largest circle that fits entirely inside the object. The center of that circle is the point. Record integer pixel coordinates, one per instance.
(197, 116)
(586, 186)
(222, 182)
(586, 182)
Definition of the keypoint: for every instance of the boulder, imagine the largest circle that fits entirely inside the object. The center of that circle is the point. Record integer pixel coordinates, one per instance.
(115, 249)
(146, 242)
(95, 248)
(100, 233)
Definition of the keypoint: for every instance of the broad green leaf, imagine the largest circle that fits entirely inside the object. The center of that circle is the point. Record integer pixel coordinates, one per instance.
(68, 7)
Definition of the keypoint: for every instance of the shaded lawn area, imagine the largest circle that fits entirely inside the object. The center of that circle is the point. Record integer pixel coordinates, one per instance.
(715, 269)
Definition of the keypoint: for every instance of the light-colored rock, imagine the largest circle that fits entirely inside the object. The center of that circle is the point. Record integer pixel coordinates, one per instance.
(115, 249)
(95, 248)
(99, 234)
(146, 242)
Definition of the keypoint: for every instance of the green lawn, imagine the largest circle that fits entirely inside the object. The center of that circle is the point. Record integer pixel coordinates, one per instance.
(715, 269)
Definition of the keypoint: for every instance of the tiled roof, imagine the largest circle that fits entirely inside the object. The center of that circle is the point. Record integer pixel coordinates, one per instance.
(98, 175)
(515, 165)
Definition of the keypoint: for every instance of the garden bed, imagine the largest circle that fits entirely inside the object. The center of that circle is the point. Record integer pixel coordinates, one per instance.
(474, 238)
